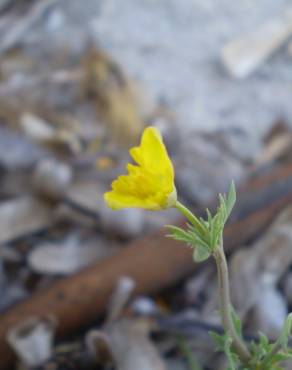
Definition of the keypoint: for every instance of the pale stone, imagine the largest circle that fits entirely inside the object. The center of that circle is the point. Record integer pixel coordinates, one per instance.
(244, 55)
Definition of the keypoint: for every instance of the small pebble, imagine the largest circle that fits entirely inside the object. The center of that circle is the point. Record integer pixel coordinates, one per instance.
(269, 313)
(127, 223)
(144, 306)
(51, 178)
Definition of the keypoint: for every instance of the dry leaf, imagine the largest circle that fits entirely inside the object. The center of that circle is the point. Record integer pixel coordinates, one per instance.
(275, 149)
(114, 98)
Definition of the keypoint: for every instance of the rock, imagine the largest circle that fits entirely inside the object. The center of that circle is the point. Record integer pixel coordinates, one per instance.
(15, 34)
(199, 166)
(195, 286)
(128, 343)
(62, 132)
(87, 194)
(146, 306)
(51, 178)
(68, 256)
(175, 364)
(4, 4)
(120, 297)
(270, 312)
(290, 48)
(127, 223)
(231, 141)
(244, 55)
(32, 340)
(24, 154)
(11, 293)
(275, 247)
(261, 265)
(36, 128)
(287, 287)
(22, 216)
(158, 219)
(245, 287)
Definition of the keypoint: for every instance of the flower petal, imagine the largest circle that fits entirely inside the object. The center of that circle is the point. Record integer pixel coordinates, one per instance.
(152, 154)
(150, 183)
(119, 201)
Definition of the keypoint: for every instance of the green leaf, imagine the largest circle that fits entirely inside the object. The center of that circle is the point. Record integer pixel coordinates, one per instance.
(280, 357)
(177, 232)
(205, 235)
(286, 332)
(217, 230)
(186, 349)
(200, 253)
(223, 343)
(231, 199)
(200, 242)
(209, 216)
(193, 219)
(218, 339)
(201, 248)
(222, 207)
(264, 342)
(200, 227)
(182, 235)
(236, 321)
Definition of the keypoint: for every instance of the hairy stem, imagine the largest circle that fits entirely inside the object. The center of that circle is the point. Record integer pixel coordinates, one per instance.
(224, 294)
(225, 305)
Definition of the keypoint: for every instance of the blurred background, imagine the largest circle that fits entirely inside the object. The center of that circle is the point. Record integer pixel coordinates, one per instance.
(79, 80)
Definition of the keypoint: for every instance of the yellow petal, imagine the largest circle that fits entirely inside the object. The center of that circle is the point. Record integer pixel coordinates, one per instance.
(151, 153)
(118, 201)
(150, 183)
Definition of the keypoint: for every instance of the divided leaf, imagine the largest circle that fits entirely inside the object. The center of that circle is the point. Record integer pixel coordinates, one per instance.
(236, 321)
(286, 332)
(224, 344)
(205, 235)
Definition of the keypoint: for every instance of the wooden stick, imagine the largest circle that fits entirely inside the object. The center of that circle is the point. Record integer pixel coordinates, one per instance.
(153, 262)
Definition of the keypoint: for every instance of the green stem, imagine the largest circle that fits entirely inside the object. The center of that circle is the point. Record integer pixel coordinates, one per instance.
(225, 305)
(224, 290)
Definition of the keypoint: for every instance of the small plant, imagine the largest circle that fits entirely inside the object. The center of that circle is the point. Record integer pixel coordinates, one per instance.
(150, 185)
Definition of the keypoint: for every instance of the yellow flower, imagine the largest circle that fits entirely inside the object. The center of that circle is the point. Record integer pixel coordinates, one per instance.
(150, 183)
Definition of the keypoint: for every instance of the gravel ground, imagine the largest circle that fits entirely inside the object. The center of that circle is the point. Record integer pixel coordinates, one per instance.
(173, 49)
